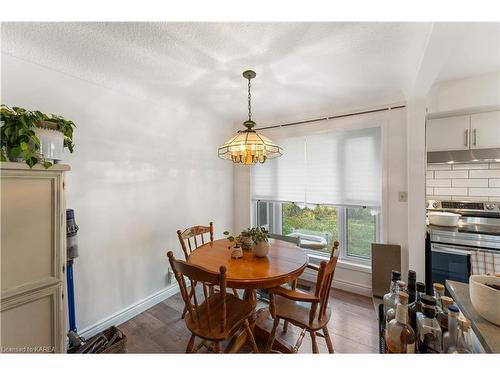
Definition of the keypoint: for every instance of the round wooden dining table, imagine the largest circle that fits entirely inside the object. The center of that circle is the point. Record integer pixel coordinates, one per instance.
(284, 262)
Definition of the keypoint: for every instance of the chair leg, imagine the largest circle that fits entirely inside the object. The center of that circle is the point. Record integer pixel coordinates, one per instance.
(217, 347)
(250, 337)
(285, 326)
(270, 341)
(191, 293)
(235, 292)
(314, 343)
(189, 348)
(328, 340)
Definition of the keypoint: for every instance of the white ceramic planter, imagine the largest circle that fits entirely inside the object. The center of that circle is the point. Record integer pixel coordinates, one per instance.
(51, 143)
(485, 300)
(261, 249)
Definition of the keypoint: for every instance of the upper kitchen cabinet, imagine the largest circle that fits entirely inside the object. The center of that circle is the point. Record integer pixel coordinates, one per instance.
(477, 131)
(450, 133)
(485, 130)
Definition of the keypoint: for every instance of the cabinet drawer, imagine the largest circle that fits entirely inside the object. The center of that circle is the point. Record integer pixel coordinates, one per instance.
(33, 322)
(33, 231)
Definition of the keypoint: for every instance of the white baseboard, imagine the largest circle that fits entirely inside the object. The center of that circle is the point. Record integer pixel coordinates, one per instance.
(129, 312)
(348, 286)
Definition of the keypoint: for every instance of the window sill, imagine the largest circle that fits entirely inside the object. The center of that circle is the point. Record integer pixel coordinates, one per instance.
(342, 263)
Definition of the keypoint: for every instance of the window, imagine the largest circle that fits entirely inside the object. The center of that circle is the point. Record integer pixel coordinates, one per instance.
(334, 179)
(319, 225)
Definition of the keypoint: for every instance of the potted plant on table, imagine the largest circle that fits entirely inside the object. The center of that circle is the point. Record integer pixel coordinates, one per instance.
(33, 137)
(261, 239)
(247, 242)
(236, 251)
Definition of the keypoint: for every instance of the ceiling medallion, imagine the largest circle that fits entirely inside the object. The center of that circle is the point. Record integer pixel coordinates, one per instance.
(248, 146)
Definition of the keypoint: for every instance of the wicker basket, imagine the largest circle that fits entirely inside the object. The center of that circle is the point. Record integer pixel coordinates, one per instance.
(120, 345)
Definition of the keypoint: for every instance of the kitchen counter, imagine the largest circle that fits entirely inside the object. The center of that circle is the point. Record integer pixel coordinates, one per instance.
(487, 333)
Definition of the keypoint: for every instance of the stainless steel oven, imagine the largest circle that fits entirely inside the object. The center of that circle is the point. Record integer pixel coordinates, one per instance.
(448, 249)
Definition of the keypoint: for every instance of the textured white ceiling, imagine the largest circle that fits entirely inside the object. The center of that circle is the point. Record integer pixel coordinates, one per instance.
(303, 69)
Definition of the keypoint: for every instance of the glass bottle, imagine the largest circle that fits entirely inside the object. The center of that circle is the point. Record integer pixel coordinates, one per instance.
(400, 336)
(464, 340)
(391, 313)
(450, 337)
(416, 306)
(438, 293)
(428, 329)
(412, 280)
(390, 298)
(442, 316)
(401, 287)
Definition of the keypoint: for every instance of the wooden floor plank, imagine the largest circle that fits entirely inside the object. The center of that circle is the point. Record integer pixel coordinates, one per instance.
(353, 327)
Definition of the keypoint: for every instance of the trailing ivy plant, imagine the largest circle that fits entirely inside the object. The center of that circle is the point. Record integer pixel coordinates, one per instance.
(18, 138)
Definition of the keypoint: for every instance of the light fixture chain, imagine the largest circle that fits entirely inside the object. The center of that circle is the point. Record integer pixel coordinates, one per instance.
(249, 102)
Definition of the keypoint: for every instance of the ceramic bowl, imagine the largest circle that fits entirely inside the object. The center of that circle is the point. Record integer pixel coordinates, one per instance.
(486, 300)
(444, 219)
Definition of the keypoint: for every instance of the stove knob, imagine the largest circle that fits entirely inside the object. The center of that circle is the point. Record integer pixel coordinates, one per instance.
(490, 206)
(435, 204)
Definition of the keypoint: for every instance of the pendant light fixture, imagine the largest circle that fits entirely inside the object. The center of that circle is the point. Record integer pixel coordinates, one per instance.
(248, 146)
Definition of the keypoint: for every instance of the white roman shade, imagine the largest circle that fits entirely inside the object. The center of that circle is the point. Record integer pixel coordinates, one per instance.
(336, 167)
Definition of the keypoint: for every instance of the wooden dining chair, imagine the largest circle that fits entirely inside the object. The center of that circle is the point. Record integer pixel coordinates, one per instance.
(190, 239)
(305, 310)
(209, 319)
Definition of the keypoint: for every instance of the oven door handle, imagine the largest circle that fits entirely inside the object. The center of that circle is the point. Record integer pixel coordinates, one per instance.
(449, 249)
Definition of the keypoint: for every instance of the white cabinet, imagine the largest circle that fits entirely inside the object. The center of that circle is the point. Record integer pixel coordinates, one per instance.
(449, 133)
(485, 130)
(33, 259)
(477, 131)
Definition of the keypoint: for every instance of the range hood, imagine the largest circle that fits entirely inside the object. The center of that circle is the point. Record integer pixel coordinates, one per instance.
(484, 155)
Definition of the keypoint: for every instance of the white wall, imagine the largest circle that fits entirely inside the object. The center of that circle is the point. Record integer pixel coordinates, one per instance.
(139, 172)
(463, 94)
(349, 277)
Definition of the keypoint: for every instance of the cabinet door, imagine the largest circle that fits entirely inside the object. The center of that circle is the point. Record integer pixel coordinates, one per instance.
(33, 322)
(485, 130)
(33, 231)
(450, 133)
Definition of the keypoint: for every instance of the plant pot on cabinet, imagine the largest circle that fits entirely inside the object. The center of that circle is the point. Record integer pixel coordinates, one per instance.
(261, 249)
(51, 141)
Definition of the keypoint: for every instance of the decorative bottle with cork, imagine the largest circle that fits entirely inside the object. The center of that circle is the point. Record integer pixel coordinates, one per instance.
(416, 306)
(400, 337)
(438, 293)
(428, 329)
(391, 313)
(450, 336)
(442, 316)
(412, 280)
(390, 298)
(464, 340)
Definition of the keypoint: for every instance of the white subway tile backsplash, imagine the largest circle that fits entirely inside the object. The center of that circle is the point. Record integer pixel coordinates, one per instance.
(466, 182)
(450, 191)
(440, 197)
(485, 192)
(451, 174)
(438, 167)
(440, 183)
(488, 173)
(466, 198)
(470, 166)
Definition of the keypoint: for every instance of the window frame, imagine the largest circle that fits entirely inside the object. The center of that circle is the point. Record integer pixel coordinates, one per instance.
(341, 228)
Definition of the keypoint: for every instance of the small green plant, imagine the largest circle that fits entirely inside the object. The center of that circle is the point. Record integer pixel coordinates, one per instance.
(18, 138)
(257, 234)
(236, 240)
(260, 235)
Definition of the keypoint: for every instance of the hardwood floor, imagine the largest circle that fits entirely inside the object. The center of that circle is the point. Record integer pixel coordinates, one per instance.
(353, 327)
